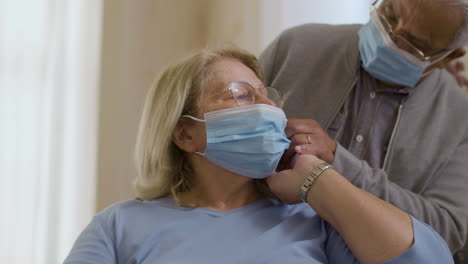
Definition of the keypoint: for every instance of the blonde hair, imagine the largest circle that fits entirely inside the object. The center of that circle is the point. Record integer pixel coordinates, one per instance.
(163, 168)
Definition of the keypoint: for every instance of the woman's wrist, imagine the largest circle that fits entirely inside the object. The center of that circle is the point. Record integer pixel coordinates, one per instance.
(323, 196)
(312, 177)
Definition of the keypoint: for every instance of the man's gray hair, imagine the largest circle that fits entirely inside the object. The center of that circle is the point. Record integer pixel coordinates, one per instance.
(461, 37)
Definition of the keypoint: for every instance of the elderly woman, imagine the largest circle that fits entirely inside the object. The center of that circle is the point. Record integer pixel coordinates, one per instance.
(210, 139)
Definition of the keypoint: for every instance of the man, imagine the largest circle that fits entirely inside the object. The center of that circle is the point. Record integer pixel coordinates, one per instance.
(396, 125)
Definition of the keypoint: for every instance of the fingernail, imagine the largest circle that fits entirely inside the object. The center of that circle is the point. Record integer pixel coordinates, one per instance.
(298, 149)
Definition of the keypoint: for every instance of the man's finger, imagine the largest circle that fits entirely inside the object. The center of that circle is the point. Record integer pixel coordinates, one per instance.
(301, 126)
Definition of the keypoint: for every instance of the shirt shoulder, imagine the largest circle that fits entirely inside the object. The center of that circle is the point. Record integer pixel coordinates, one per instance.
(134, 207)
(163, 209)
(319, 33)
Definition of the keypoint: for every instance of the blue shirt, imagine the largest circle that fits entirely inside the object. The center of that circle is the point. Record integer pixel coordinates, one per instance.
(266, 231)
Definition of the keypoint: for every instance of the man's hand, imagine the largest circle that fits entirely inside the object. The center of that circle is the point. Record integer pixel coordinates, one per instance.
(456, 67)
(286, 184)
(307, 137)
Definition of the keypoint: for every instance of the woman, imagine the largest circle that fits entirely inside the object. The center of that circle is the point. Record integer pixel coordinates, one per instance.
(209, 137)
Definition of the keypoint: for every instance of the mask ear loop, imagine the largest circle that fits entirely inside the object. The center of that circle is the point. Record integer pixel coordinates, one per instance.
(194, 118)
(199, 120)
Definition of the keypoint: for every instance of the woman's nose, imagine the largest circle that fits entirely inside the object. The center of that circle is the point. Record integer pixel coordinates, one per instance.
(263, 99)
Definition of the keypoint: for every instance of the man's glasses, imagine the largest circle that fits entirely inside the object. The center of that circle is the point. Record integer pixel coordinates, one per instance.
(390, 21)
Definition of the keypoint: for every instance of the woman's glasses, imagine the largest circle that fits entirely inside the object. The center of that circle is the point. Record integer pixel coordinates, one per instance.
(246, 94)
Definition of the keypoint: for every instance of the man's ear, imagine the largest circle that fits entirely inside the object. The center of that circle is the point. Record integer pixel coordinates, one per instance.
(183, 137)
(456, 54)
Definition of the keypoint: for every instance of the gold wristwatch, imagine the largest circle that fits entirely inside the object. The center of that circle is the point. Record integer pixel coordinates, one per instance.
(313, 176)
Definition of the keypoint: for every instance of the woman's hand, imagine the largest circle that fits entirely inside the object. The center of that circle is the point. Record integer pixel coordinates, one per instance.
(286, 184)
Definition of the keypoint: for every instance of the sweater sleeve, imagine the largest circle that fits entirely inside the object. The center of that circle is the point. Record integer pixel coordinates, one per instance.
(439, 206)
(96, 243)
(267, 60)
(428, 248)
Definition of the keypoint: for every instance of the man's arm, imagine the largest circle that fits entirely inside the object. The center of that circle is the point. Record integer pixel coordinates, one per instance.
(443, 205)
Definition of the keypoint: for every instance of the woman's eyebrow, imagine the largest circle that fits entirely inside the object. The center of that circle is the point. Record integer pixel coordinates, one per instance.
(223, 90)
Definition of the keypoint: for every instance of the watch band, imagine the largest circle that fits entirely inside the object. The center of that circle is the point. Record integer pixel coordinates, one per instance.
(313, 176)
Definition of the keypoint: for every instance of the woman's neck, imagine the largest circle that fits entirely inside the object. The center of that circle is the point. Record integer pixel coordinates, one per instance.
(217, 189)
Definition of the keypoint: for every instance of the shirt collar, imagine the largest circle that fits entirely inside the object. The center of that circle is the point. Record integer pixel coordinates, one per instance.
(381, 88)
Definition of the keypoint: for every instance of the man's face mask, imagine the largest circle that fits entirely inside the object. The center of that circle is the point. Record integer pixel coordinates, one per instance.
(383, 59)
(248, 140)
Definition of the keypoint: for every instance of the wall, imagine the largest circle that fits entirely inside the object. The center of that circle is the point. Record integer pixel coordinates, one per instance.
(233, 22)
(139, 38)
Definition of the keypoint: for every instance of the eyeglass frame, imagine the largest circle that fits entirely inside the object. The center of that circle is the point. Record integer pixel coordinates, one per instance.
(279, 104)
(390, 32)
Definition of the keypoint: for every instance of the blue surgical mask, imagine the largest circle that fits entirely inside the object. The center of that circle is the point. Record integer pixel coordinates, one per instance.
(248, 140)
(384, 60)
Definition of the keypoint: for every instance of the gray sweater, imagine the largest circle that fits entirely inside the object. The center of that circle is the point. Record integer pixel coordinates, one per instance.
(425, 172)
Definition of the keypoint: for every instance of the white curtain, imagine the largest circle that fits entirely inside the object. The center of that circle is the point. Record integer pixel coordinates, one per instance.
(49, 54)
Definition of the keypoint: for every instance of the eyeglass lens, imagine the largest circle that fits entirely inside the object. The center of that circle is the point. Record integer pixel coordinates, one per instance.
(390, 20)
(245, 94)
